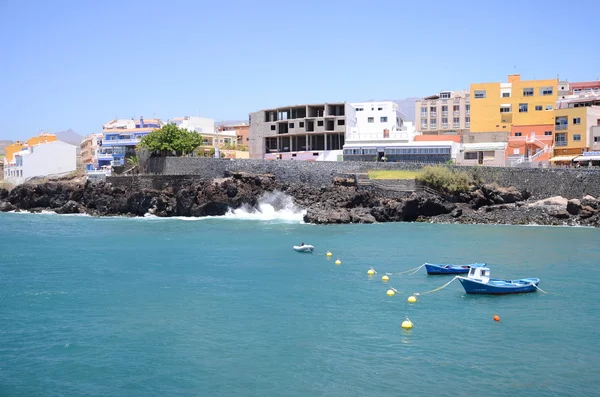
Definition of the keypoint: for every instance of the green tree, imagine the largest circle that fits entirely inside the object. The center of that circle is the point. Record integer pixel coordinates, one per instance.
(171, 141)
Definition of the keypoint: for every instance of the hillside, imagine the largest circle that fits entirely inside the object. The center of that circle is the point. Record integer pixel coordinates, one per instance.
(69, 136)
(3, 144)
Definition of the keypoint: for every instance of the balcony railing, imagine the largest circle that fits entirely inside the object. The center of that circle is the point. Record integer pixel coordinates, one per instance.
(424, 115)
(444, 126)
(444, 113)
(561, 127)
(433, 114)
(120, 142)
(456, 125)
(423, 126)
(467, 125)
(105, 156)
(456, 113)
(560, 143)
(468, 112)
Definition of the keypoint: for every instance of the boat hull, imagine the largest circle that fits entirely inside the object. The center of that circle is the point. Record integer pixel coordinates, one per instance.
(434, 269)
(304, 248)
(499, 287)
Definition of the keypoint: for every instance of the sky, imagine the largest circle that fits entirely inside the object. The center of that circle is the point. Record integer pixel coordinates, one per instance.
(79, 64)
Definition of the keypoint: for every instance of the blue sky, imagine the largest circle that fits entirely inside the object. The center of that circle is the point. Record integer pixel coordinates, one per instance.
(78, 64)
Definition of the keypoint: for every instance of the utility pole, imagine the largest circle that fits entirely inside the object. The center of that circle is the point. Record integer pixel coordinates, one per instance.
(217, 154)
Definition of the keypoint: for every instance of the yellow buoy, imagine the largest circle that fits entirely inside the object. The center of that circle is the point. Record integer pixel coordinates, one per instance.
(385, 279)
(370, 272)
(329, 253)
(390, 292)
(407, 324)
(338, 262)
(412, 299)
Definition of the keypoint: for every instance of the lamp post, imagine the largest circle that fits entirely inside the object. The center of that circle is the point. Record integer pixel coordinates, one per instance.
(217, 154)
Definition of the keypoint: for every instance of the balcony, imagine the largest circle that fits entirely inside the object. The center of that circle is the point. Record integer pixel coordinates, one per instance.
(444, 113)
(561, 127)
(467, 125)
(120, 142)
(560, 143)
(433, 114)
(445, 126)
(105, 156)
(424, 115)
(456, 125)
(423, 126)
(456, 113)
(468, 112)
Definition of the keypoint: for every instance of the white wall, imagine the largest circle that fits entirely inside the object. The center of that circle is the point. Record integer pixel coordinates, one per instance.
(46, 159)
(375, 129)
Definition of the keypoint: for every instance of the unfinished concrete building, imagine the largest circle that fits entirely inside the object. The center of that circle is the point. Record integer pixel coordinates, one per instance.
(301, 132)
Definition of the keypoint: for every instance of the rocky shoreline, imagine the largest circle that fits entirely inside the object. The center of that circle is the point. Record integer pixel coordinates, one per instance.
(341, 202)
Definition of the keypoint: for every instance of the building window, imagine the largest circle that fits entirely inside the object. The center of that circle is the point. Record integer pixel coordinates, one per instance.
(596, 139)
(470, 155)
(380, 109)
(518, 134)
(506, 95)
(359, 109)
(423, 111)
(445, 95)
(301, 124)
(538, 108)
(577, 120)
(432, 109)
(523, 107)
(291, 125)
(320, 123)
(341, 122)
(544, 91)
(548, 107)
(560, 139)
(504, 109)
(370, 120)
(456, 120)
(576, 137)
(272, 128)
(548, 133)
(479, 94)
(445, 108)
(456, 108)
(467, 119)
(383, 119)
(527, 91)
(468, 107)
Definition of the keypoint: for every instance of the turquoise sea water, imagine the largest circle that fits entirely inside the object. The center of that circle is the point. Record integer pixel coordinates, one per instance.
(225, 307)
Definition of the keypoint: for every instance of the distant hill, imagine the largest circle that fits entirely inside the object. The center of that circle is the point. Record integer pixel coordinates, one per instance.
(69, 136)
(4, 144)
(407, 107)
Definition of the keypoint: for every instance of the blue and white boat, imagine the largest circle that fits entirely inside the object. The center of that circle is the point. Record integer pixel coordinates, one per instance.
(478, 281)
(433, 268)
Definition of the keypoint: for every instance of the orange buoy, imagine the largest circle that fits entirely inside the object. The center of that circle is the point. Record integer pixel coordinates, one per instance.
(496, 318)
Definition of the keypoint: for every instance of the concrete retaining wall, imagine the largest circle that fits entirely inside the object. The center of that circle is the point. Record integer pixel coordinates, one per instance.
(541, 183)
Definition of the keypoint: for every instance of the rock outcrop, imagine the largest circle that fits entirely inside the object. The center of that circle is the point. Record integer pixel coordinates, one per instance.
(340, 202)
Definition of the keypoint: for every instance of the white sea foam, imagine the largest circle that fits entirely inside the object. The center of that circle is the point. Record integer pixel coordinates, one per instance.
(272, 206)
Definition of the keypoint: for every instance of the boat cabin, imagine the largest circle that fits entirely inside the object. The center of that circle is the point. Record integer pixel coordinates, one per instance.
(481, 274)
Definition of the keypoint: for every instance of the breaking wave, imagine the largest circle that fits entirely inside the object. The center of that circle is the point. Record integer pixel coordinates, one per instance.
(272, 206)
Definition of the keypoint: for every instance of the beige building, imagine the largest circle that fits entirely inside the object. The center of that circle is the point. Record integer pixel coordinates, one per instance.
(89, 150)
(448, 112)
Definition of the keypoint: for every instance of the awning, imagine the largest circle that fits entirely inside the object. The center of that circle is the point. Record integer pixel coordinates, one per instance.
(563, 158)
(587, 158)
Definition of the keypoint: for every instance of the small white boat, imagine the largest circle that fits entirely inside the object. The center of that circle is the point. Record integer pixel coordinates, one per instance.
(304, 248)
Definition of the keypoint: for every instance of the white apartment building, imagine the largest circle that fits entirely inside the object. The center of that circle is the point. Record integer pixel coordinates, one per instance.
(448, 112)
(206, 128)
(379, 120)
(53, 158)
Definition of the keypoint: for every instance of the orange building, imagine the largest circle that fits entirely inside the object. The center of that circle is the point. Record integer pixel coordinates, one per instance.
(530, 143)
(432, 138)
(242, 132)
(44, 137)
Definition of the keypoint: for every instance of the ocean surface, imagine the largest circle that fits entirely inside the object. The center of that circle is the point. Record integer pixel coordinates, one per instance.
(224, 307)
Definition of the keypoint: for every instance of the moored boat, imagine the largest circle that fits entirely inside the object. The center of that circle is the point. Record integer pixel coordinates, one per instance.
(433, 268)
(478, 281)
(304, 248)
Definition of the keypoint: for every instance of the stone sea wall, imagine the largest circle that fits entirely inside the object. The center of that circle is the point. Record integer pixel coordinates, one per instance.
(539, 182)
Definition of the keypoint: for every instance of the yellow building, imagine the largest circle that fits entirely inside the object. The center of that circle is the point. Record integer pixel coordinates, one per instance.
(497, 106)
(572, 134)
(44, 137)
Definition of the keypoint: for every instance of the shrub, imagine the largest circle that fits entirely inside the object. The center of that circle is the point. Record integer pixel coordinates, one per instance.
(444, 179)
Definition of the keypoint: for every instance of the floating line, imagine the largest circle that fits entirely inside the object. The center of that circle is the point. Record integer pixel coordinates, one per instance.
(438, 288)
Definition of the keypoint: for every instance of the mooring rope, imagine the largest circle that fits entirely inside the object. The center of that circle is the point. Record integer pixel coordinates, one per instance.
(438, 288)
(411, 271)
(539, 288)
